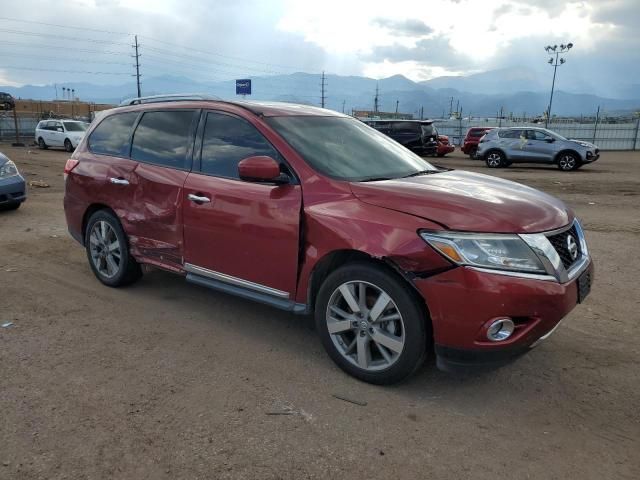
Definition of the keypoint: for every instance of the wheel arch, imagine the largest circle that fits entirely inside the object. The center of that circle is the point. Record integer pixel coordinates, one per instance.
(556, 159)
(338, 258)
(496, 149)
(91, 209)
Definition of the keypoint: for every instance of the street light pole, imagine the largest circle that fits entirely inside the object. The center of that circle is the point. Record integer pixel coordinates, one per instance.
(557, 50)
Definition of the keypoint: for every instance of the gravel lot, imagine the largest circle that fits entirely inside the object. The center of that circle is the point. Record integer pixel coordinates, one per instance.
(169, 380)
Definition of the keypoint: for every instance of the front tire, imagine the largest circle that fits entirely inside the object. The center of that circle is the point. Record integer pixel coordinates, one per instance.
(568, 161)
(68, 146)
(495, 159)
(108, 251)
(370, 324)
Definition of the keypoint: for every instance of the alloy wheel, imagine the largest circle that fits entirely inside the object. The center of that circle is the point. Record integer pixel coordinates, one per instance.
(494, 159)
(365, 325)
(105, 250)
(567, 162)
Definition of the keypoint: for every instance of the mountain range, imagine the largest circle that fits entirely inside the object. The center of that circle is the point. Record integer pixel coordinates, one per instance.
(517, 90)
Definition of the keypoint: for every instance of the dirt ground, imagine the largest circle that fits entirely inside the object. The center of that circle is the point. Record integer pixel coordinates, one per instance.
(167, 380)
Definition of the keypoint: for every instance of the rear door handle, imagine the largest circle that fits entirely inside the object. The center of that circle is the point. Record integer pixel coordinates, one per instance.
(198, 198)
(119, 181)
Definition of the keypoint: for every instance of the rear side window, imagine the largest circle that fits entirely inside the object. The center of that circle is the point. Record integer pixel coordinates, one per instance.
(477, 133)
(511, 133)
(163, 138)
(227, 140)
(111, 137)
(406, 127)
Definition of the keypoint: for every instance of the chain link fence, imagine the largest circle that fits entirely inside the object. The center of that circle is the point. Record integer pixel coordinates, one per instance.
(607, 136)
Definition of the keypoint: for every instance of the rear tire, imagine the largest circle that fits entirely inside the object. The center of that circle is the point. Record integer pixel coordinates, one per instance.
(107, 249)
(41, 144)
(568, 161)
(68, 146)
(495, 159)
(441, 155)
(10, 206)
(383, 339)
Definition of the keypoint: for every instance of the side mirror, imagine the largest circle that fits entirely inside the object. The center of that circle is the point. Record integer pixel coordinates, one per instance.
(551, 140)
(261, 169)
(59, 129)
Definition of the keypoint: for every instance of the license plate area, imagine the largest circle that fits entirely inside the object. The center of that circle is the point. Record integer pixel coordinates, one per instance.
(584, 286)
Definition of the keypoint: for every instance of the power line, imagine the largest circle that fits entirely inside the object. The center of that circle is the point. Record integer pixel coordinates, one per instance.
(12, 67)
(66, 49)
(45, 58)
(64, 26)
(61, 37)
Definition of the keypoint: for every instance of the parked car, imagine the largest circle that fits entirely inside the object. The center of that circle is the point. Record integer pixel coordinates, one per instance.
(503, 146)
(444, 146)
(471, 140)
(12, 186)
(419, 136)
(60, 133)
(314, 212)
(6, 101)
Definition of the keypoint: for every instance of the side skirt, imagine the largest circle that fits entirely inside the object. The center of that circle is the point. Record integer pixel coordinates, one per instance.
(249, 294)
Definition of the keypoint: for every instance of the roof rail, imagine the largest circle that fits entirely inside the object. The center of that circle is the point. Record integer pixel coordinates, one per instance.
(174, 97)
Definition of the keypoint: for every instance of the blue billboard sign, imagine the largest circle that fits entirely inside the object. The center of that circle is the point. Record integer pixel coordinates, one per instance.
(243, 86)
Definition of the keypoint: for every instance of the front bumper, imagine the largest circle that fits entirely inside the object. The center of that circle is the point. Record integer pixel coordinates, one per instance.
(591, 156)
(462, 303)
(12, 190)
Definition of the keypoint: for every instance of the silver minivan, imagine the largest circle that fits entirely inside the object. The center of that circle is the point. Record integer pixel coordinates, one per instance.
(501, 147)
(60, 133)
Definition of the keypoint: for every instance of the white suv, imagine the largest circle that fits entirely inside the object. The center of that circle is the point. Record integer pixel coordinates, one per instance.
(60, 133)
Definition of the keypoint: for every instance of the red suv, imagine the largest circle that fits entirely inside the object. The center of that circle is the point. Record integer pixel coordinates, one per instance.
(471, 140)
(314, 212)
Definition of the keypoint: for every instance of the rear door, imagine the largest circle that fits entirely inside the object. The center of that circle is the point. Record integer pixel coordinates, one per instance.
(57, 134)
(162, 149)
(514, 141)
(240, 232)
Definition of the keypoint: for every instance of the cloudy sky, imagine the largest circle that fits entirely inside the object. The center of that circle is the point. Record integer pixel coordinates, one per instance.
(225, 39)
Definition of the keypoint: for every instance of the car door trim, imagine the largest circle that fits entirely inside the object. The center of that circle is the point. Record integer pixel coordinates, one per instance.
(222, 277)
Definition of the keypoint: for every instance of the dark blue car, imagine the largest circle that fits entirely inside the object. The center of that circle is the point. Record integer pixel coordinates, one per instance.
(12, 187)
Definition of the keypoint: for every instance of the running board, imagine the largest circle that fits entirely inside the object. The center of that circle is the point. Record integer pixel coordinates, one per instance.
(281, 303)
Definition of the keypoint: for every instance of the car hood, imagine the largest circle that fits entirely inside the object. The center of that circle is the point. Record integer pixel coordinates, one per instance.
(582, 143)
(471, 202)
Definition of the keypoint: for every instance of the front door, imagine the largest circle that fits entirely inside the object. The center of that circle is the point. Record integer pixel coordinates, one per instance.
(539, 146)
(238, 232)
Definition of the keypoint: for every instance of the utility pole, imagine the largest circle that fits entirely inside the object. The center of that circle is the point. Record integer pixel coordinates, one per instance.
(397, 102)
(450, 106)
(137, 57)
(343, 102)
(375, 101)
(422, 112)
(500, 120)
(55, 85)
(458, 107)
(322, 96)
(558, 61)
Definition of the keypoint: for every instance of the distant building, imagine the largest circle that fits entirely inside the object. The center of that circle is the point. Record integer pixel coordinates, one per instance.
(371, 115)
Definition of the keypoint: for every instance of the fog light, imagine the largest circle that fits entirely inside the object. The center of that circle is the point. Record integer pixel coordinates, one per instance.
(500, 329)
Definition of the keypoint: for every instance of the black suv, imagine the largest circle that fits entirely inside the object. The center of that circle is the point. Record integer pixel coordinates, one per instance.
(419, 136)
(6, 101)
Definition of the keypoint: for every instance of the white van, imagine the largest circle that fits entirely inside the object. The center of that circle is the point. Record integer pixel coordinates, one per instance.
(60, 133)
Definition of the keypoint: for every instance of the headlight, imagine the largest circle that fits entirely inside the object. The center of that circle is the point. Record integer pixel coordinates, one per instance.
(8, 169)
(496, 251)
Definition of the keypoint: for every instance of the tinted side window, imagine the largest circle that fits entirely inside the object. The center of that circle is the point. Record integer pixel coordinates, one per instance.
(163, 138)
(111, 137)
(226, 141)
(477, 133)
(537, 135)
(406, 127)
(511, 134)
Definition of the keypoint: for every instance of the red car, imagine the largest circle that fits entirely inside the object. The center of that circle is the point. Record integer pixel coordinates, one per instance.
(444, 146)
(314, 212)
(471, 140)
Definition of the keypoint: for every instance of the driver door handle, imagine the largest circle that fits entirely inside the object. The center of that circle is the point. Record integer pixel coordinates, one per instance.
(198, 198)
(119, 181)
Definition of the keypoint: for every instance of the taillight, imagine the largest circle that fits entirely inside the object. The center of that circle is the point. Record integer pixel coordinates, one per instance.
(69, 166)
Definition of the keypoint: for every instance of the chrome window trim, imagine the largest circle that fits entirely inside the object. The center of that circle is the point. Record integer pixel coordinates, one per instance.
(530, 276)
(222, 277)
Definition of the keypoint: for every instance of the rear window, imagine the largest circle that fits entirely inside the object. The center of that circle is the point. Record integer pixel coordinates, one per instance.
(406, 127)
(162, 138)
(111, 137)
(476, 133)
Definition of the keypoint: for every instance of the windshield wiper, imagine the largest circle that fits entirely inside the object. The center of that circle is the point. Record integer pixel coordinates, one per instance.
(374, 179)
(421, 172)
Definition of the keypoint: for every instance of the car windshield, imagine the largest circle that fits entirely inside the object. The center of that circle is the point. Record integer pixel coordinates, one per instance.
(75, 126)
(347, 149)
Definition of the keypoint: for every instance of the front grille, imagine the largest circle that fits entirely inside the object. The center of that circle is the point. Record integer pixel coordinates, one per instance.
(559, 242)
